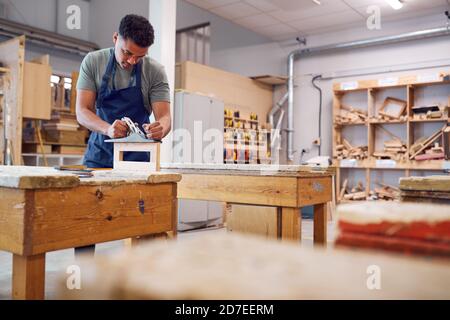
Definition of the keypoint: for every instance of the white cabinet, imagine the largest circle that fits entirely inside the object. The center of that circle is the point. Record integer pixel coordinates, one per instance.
(197, 126)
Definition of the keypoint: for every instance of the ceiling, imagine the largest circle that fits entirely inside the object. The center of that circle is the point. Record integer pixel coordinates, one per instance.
(283, 19)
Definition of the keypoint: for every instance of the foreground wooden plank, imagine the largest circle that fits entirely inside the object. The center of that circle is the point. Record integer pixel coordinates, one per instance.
(233, 266)
(257, 190)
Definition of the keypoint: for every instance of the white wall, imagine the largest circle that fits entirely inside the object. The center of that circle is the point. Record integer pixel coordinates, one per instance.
(50, 15)
(62, 16)
(39, 14)
(105, 17)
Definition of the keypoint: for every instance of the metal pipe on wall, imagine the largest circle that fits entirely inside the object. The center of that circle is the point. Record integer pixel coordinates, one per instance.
(416, 35)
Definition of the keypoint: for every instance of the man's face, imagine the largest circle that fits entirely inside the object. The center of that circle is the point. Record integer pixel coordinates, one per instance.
(127, 52)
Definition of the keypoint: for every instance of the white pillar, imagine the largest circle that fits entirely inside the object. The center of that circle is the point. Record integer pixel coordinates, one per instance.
(162, 16)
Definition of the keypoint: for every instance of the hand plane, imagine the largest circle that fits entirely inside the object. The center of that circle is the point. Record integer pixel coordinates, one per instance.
(134, 133)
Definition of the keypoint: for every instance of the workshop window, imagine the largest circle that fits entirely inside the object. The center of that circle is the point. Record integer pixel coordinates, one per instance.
(193, 44)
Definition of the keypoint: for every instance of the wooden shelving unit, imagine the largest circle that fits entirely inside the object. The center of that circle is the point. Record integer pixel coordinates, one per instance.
(368, 96)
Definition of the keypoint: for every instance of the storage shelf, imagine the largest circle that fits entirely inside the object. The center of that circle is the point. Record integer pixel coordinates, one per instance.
(429, 120)
(431, 165)
(408, 88)
(387, 122)
(350, 124)
(4, 70)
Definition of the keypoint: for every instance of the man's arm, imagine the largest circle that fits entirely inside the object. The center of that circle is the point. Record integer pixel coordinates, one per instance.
(86, 116)
(161, 127)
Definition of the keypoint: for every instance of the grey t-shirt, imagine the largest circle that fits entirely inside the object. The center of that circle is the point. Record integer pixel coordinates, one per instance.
(154, 84)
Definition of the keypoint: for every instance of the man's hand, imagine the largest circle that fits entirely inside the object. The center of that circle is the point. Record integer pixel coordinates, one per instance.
(118, 129)
(153, 130)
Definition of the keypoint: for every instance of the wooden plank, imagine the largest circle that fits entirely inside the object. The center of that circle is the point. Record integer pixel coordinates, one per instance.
(290, 224)
(237, 92)
(73, 91)
(243, 267)
(23, 177)
(257, 190)
(36, 91)
(28, 277)
(431, 183)
(62, 149)
(65, 137)
(320, 224)
(36, 148)
(12, 53)
(271, 80)
(86, 215)
(314, 190)
(122, 177)
(253, 220)
(425, 194)
(12, 223)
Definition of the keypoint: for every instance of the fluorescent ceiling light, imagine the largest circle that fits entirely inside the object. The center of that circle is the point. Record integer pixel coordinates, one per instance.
(396, 4)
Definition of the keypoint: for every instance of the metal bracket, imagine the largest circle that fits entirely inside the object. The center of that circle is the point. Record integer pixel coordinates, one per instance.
(301, 41)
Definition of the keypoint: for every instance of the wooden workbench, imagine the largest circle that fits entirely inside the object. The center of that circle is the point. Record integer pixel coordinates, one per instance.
(288, 188)
(232, 266)
(43, 210)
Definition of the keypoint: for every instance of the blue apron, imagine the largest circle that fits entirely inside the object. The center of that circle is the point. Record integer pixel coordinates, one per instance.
(113, 105)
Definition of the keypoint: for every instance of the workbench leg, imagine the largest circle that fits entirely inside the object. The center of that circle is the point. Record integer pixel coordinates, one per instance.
(320, 224)
(174, 232)
(28, 278)
(290, 224)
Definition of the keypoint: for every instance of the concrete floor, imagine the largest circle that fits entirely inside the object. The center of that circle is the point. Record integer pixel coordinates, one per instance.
(58, 261)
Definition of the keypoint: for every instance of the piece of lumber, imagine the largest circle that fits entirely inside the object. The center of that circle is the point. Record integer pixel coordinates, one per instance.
(428, 142)
(388, 132)
(344, 189)
(430, 156)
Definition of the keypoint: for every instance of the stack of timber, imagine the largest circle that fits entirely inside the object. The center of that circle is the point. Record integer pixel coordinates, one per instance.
(60, 135)
(384, 192)
(350, 115)
(346, 151)
(427, 148)
(394, 149)
(354, 194)
(411, 228)
(65, 134)
(434, 189)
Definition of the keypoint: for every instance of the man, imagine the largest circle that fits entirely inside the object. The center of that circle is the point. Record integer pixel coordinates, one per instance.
(122, 82)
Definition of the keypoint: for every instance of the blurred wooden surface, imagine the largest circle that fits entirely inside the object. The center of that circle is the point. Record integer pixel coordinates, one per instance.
(231, 266)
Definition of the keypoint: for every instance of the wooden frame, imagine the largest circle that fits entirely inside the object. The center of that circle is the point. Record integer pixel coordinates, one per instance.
(388, 104)
(152, 148)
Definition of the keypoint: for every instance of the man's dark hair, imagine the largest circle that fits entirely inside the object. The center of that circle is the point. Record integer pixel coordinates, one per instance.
(138, 29)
